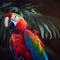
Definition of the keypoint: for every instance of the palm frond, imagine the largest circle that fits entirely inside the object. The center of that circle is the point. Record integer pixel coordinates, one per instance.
(35, 20)
(4, 5)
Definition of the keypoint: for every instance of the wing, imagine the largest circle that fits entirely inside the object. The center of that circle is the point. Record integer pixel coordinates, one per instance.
(35, 46)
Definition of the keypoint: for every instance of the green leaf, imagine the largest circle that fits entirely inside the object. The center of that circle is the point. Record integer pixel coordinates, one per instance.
(5, 5)
(4, 34)
(1, 14)
(47, 28)
(46, 34)
(15, 9)
(41, 28)
(58, 34)
(53, 30)
(28, 15)
(20, 12)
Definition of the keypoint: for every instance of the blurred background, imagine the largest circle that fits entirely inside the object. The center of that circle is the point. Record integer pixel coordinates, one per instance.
(51, 9)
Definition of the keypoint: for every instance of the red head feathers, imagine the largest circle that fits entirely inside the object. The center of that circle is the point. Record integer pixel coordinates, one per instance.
(8, 14)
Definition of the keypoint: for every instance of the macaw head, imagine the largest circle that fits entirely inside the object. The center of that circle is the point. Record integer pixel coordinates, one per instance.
(15, 20)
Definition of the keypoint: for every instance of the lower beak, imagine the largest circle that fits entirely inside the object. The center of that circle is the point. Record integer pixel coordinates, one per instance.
(10, 24)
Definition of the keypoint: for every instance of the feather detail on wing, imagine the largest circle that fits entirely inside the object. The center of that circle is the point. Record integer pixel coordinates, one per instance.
(35, 45)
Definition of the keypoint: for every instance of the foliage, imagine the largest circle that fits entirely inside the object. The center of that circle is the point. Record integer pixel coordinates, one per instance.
(34, 18)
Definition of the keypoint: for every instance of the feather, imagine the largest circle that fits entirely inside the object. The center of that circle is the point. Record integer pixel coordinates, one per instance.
(35, 46)
(11, 49)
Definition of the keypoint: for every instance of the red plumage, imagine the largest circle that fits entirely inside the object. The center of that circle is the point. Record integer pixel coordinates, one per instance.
(19, 46)
(8, 14)
(21, 25)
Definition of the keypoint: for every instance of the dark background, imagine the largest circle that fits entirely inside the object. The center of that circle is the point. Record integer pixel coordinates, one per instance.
(50, 8)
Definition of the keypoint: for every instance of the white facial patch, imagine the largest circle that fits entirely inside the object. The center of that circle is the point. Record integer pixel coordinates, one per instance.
(6, 21)
(14, 19)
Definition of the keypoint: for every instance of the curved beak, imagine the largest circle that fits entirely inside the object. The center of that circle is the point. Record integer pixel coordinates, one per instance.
(8, 23)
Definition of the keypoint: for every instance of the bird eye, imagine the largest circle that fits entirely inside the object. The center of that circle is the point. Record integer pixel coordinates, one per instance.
(15, 16)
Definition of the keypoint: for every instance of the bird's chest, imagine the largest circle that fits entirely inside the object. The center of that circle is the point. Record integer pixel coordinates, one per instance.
(17, 40)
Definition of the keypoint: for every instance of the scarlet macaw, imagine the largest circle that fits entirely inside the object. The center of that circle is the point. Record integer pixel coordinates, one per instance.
(24, 42)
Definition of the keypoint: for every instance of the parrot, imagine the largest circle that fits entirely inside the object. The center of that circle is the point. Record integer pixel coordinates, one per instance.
(24, 43)
(26, 33)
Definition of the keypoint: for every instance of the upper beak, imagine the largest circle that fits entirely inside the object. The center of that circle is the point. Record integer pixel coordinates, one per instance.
(8, 23)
